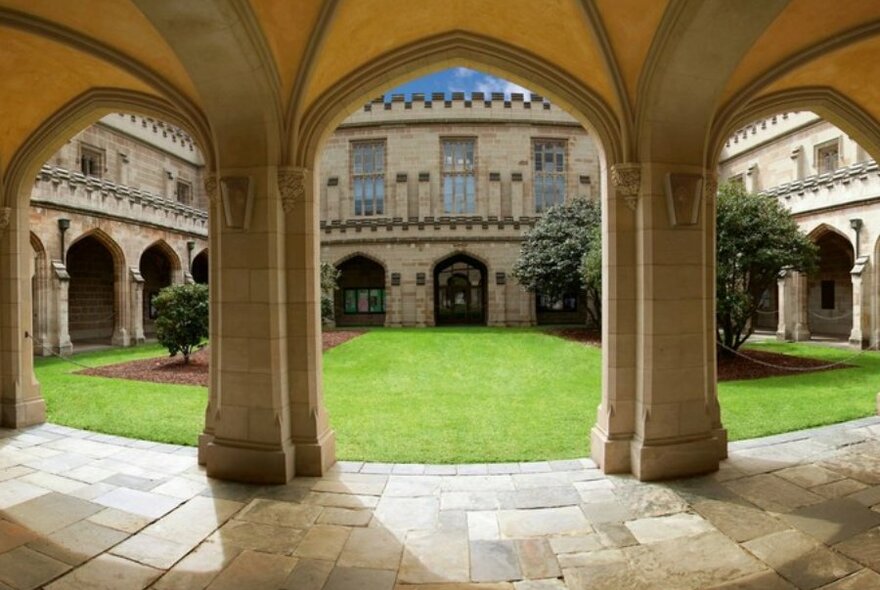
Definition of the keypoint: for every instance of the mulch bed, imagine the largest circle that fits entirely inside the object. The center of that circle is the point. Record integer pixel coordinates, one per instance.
(730, 368)
(173, 370)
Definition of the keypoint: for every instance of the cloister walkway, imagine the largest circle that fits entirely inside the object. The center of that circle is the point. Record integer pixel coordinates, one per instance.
(86, 510)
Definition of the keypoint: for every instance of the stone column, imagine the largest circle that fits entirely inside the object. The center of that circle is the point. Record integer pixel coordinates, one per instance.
(58, 337)
(21, 403)
(312, 437)
(801, 299)
(137, 306)
(659, 416)
(860, 334)
(248, 434)
(786, 299)
(122, 320)
(615, 422)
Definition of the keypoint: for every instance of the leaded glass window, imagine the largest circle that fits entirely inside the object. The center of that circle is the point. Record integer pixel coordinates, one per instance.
(368, 177)
(549, 174)
(459, 185)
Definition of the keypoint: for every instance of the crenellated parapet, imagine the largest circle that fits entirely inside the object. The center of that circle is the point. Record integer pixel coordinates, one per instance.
(57, 187)
(495, 107)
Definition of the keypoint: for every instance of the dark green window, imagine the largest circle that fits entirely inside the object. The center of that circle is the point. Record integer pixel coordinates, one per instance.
(362, 300)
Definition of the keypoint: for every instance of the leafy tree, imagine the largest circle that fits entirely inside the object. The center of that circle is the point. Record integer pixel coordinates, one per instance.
(756, 239)
(555, 253)
(329, 277)
(182, 323)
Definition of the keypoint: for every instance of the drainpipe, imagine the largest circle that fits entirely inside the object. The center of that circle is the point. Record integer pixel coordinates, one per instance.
(856, 224)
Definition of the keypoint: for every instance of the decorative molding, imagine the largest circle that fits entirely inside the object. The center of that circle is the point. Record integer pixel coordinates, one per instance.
(292, 186)
(627, 180)
(683, 192)
(237, 193)
(210, 183)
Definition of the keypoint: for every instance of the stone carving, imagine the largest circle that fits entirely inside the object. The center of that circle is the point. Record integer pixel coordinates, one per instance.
(237, 193)
(711, 187)
(5, 218)
(683, 192)
(210, 182)
(627, 180)
(292, 186)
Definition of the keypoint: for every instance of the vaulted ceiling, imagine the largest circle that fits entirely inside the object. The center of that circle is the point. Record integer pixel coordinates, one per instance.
(652, 66)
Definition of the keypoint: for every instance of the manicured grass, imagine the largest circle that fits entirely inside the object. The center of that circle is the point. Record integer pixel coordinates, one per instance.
(459, 395)
(152, 411)
(762, 407)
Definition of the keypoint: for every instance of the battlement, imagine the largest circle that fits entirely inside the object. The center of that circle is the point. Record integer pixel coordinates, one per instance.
(766, 129)
(495, 106)
(165, 136)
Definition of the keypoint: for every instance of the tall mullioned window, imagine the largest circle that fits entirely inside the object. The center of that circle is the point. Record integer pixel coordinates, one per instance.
(368, 177)
(91, 161)
(459, 184)
(549, 174)
(827, 157)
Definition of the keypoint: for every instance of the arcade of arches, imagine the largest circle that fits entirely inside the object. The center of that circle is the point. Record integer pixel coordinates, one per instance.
(261, 83)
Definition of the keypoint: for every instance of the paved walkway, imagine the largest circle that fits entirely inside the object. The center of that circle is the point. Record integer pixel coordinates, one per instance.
(84, 510)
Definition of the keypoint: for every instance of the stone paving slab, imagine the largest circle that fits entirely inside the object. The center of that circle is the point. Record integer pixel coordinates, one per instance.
(82, 510)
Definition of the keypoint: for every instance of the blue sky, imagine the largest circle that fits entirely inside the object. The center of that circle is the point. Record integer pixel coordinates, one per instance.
(459, 80)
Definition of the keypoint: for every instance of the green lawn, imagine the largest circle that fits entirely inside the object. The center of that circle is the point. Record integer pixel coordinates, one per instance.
(459, 395)
(762, 407)
(152, 411)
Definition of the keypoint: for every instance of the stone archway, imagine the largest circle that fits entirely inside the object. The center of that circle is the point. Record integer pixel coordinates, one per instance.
(200, 270)
(157, 267)
(460, 291)
(361, 297)
(830, 297)
(92, 306)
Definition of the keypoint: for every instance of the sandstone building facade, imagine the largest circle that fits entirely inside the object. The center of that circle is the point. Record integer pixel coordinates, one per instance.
(424, 204)
(832, 187)
(116, 214)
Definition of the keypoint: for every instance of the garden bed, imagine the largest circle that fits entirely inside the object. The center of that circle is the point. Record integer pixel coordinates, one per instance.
(173, 370)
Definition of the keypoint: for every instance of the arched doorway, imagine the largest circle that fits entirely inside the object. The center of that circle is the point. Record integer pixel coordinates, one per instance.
(460, 291)
(156, 268)
(199, 269)
(92, 298)
(360, 299)
(830, 303)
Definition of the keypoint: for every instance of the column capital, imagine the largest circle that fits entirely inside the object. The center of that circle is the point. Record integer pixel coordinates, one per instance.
(210, 183)
(292, 185)
(5, 217)
(627, 180)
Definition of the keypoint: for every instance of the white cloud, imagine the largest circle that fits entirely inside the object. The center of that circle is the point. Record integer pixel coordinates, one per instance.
(463, 73)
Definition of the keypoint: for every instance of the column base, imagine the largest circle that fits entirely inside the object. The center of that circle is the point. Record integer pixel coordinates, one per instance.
(878, 404)
(205, 439)
(21, 414)
(120, 338)
(314, 459)
(613, 456)
(720, 435)
(249, 465)
(802, 334)
(670, 460)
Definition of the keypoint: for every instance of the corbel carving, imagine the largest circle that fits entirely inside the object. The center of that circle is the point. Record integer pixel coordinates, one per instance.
(710, 187)
(627, 180)
(292, 186)
(683, 192)
(237, 193)
(210, 182)
(5, 218)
